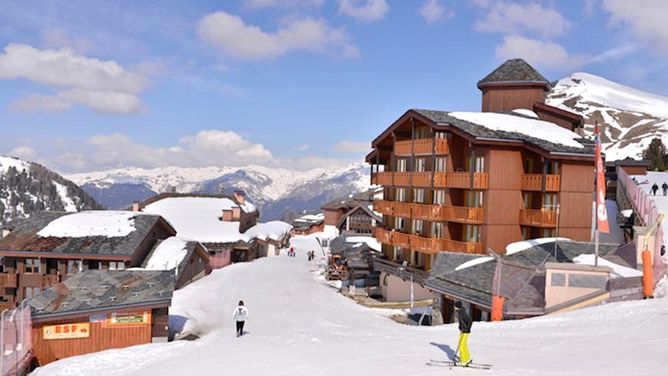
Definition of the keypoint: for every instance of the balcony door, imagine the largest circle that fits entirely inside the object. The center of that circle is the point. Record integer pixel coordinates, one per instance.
(477, 162)
(472, 233)
(473, 199)
(549, 201)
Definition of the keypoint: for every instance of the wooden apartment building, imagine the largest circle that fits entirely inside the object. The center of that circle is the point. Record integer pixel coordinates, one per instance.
(33, 261)
(466, 182)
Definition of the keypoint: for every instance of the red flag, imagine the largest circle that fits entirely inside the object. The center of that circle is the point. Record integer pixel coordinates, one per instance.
(601, 212)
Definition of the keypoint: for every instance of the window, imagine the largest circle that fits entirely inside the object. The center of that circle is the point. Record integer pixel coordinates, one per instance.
(477, 162)
(437, 230)
(548, 233)
(33, 266)
(398, 223)
(587, 281)
(439, 164)
(397, 253)
(401, 164)
(528, 200)
(417, 258)
(526, 233)
(472, 233)
(419, 195)
(31, 292)
(73, 266)
(473, 199)
(558, 280)
(417, 226)
(552, 167)
(420, 164)
(550, 201)
(441, 135)
(400, 194)
(528, 166)
(116, 265)
(439, 196)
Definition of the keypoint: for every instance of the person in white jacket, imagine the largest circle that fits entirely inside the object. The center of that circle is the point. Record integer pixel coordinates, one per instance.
(240, 316)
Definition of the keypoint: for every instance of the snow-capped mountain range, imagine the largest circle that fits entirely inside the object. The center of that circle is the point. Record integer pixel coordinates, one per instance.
(276, 191)
(27, 187)
(629, 118)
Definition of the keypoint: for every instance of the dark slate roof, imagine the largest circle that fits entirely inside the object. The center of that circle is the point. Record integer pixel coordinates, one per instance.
(97, 290)
(523, 279)
(24, 237)
(347, 203)
(479, 131)
(514, 70)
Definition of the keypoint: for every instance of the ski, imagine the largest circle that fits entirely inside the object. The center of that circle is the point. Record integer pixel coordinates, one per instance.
(449, 363)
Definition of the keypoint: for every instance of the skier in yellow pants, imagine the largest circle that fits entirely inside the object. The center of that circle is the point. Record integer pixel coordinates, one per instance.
(465, 323)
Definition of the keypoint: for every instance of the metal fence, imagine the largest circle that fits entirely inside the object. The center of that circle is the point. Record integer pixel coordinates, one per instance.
(15, 339)
(645, 209)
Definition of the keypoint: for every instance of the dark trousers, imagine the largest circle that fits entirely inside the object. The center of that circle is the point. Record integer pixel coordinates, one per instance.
(240, 327)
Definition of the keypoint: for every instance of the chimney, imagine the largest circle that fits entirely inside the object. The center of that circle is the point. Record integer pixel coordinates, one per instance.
(226, 216)
(236, 213)
(136, 206)
(240, 196)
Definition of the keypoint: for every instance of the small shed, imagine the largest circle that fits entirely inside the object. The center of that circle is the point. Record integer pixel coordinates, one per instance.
(98, 310)
(187, 259)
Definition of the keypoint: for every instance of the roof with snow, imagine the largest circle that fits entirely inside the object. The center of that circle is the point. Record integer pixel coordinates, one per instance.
(470, 277)
(171, 253)
(100, 290)
(514, 71)
(95, 232)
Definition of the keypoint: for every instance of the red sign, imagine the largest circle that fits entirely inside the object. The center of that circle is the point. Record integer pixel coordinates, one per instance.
(601, 212)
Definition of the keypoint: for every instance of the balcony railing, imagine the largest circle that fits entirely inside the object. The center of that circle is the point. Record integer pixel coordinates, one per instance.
(534, 182)
(8, 280)
(538, 218)
(461, 214)
(441, 179)
(424, 244)
(423, 146)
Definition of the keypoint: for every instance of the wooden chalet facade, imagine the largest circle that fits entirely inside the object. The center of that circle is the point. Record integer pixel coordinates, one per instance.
(456, 184)
(193, 265)
(360, 220)
(98, 310)
(32, 263)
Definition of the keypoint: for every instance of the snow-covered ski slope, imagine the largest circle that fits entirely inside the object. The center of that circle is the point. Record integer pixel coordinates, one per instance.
(300, 326)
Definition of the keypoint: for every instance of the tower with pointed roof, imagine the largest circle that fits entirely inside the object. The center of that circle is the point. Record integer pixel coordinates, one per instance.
(514, 84)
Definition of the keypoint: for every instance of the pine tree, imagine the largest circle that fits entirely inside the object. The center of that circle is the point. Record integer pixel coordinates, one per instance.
(656, 155)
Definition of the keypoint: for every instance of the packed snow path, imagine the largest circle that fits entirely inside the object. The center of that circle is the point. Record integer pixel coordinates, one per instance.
(300, 326)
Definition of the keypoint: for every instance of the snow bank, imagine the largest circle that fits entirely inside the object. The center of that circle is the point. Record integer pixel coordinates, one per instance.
(526, 244)
(475, 261)
(368, 240)
(168, 255)
(617, 270)
(525, 112)
(107, 223)
(533, 128)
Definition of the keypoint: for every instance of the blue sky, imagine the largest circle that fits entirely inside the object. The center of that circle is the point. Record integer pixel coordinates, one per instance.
(89, 85)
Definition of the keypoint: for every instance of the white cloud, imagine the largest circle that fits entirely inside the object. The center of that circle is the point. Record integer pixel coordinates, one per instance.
(23, 152)
(364, 10)
(646, 19)
(234, 37)
(536, 52)
(433, 11)
(511, 18)
(39, 102)
(102, 85)
(259, 4)
(347, 146)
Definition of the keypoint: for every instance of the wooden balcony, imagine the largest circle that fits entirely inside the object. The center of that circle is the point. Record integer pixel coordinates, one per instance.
(463, 180)
(459, 214)
(384, 178)
(8, 280)
(538, 218)
(424, 244)
(402, 179)
(424, 146)
(422, 179)
(534, 182)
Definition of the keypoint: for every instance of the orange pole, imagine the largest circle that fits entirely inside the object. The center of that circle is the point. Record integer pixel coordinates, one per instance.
(647, 276)
(497, 307)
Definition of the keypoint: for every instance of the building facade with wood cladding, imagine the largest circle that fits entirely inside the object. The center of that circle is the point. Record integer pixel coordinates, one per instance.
(50, 247)
(98, 310)
(471, 181)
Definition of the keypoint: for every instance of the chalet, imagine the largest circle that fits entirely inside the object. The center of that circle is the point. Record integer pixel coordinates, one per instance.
(187, 259)
(270, 237)
(535, 277)
(471, 181)
(308, 224)
(49, 247)
(98, 310)
(335, 210)
(360, 220)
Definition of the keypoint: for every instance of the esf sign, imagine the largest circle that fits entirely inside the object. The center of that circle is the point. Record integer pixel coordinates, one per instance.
(66, 331)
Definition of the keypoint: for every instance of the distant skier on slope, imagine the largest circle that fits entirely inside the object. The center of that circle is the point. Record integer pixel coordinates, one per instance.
(240, 316)
(465, 323)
